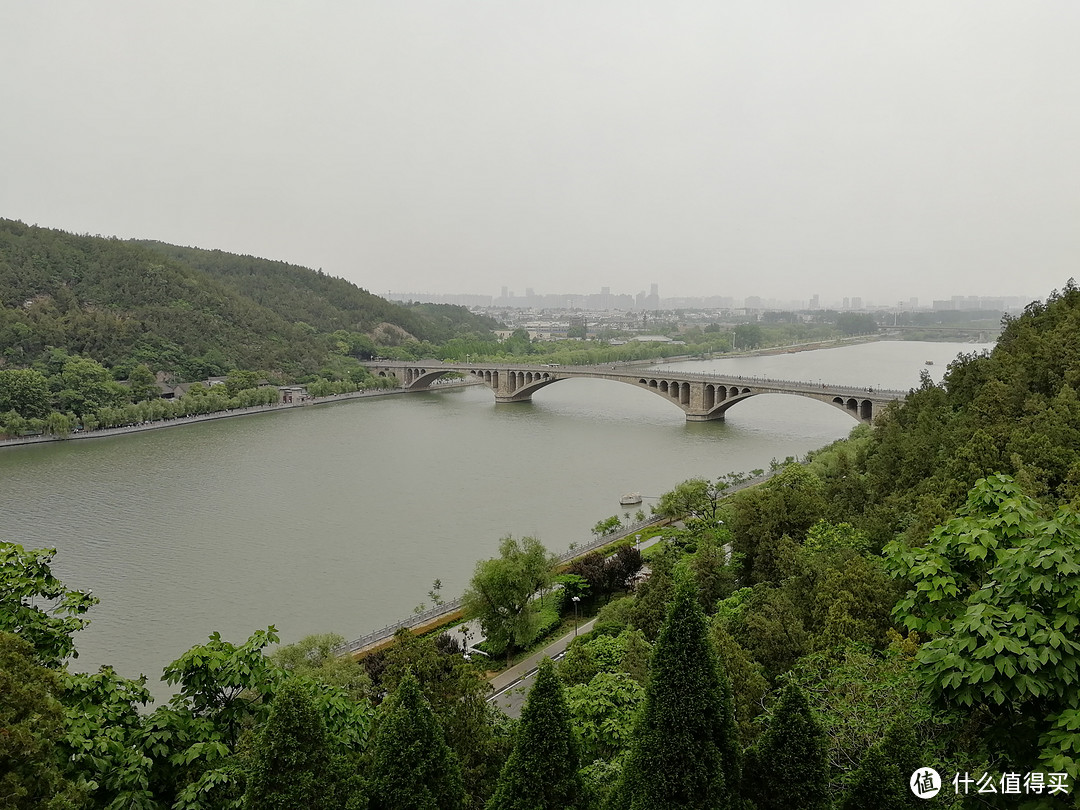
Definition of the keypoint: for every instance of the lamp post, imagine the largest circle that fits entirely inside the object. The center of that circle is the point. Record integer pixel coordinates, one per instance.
(575, 600)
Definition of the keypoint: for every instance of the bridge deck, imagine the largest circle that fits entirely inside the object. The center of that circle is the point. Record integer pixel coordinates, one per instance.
(635, 373)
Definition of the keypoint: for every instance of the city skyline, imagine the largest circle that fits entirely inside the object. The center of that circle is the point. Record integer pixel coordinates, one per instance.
(606, 300)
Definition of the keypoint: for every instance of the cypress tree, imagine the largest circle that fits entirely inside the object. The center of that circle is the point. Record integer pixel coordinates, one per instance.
(881, 782)
(413, 768)
(292, 765)
(685, 748)
(542, 771)
(790, 767)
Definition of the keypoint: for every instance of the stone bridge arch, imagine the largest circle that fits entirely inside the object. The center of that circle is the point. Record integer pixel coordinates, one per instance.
(701, 397)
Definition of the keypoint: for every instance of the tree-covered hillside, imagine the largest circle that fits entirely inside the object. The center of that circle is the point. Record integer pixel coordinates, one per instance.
(188, 312)
(300, 294)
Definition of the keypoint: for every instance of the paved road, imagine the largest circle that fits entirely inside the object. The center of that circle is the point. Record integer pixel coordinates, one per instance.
(514, 684)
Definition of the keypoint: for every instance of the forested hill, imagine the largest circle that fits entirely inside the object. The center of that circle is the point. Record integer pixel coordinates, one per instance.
(192, 313)
(324, 302)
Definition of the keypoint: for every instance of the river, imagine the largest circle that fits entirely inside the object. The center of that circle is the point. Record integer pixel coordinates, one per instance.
(339, 517)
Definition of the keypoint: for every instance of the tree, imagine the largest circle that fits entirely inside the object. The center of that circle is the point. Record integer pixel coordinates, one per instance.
(603, 713)
(789, 503)
(747, 336)
(32, 722)
(854, 323)
(292, 763)
(87, 386)
(313, 657)
(881, 780)
(998, 590)
(787, 768)
(37, 606)
(857, 695)
(142, 384)
(238, 381)
(685, 747)
(696, 499)
(224, 689)
(621, 568)
(542, 771)
(24, 391)
(412, 766)
(104, 738)
(712, 575)
(501, 592)
(457, 695)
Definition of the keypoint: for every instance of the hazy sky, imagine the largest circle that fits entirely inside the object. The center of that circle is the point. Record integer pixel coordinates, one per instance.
(880, 149)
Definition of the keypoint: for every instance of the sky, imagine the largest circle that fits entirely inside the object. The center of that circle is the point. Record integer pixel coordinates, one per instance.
(781, 149)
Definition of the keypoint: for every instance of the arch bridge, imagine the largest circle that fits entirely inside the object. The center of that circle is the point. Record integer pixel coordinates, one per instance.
(702, 396)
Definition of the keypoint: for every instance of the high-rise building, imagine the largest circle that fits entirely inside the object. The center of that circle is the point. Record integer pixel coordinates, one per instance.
(653, 299)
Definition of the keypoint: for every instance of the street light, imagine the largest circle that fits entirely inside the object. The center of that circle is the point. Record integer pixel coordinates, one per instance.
(575, 600)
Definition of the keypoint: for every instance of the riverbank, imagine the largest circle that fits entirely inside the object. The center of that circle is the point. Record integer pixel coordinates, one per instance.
(180, 421)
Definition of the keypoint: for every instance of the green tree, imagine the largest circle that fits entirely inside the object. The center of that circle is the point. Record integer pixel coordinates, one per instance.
(224, 690)
(788, 768)
(685, 746)
(86, 386)
(104, 738)
(237, 381)
(292, 764)
(747, 336)
(24, 391)
(696, 499)
(542, 771)
(457, 695)
(412, 766)
(881, 782)
(142, 384)
(31, 724)
(501, 592)
(603, 713)
(313, 657)
(998, 590)
(789, 503)
(37, 606)
(854, 323)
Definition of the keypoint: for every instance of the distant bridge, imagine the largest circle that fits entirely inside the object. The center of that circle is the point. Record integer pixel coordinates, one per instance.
(702, 396)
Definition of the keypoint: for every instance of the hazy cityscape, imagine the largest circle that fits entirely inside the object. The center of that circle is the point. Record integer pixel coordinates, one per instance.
(607, 301)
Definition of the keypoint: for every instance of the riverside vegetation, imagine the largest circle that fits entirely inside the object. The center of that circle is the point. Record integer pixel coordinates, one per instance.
(908, 598)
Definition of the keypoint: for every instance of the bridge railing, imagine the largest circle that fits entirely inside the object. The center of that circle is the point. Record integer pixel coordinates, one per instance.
(807, 386)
